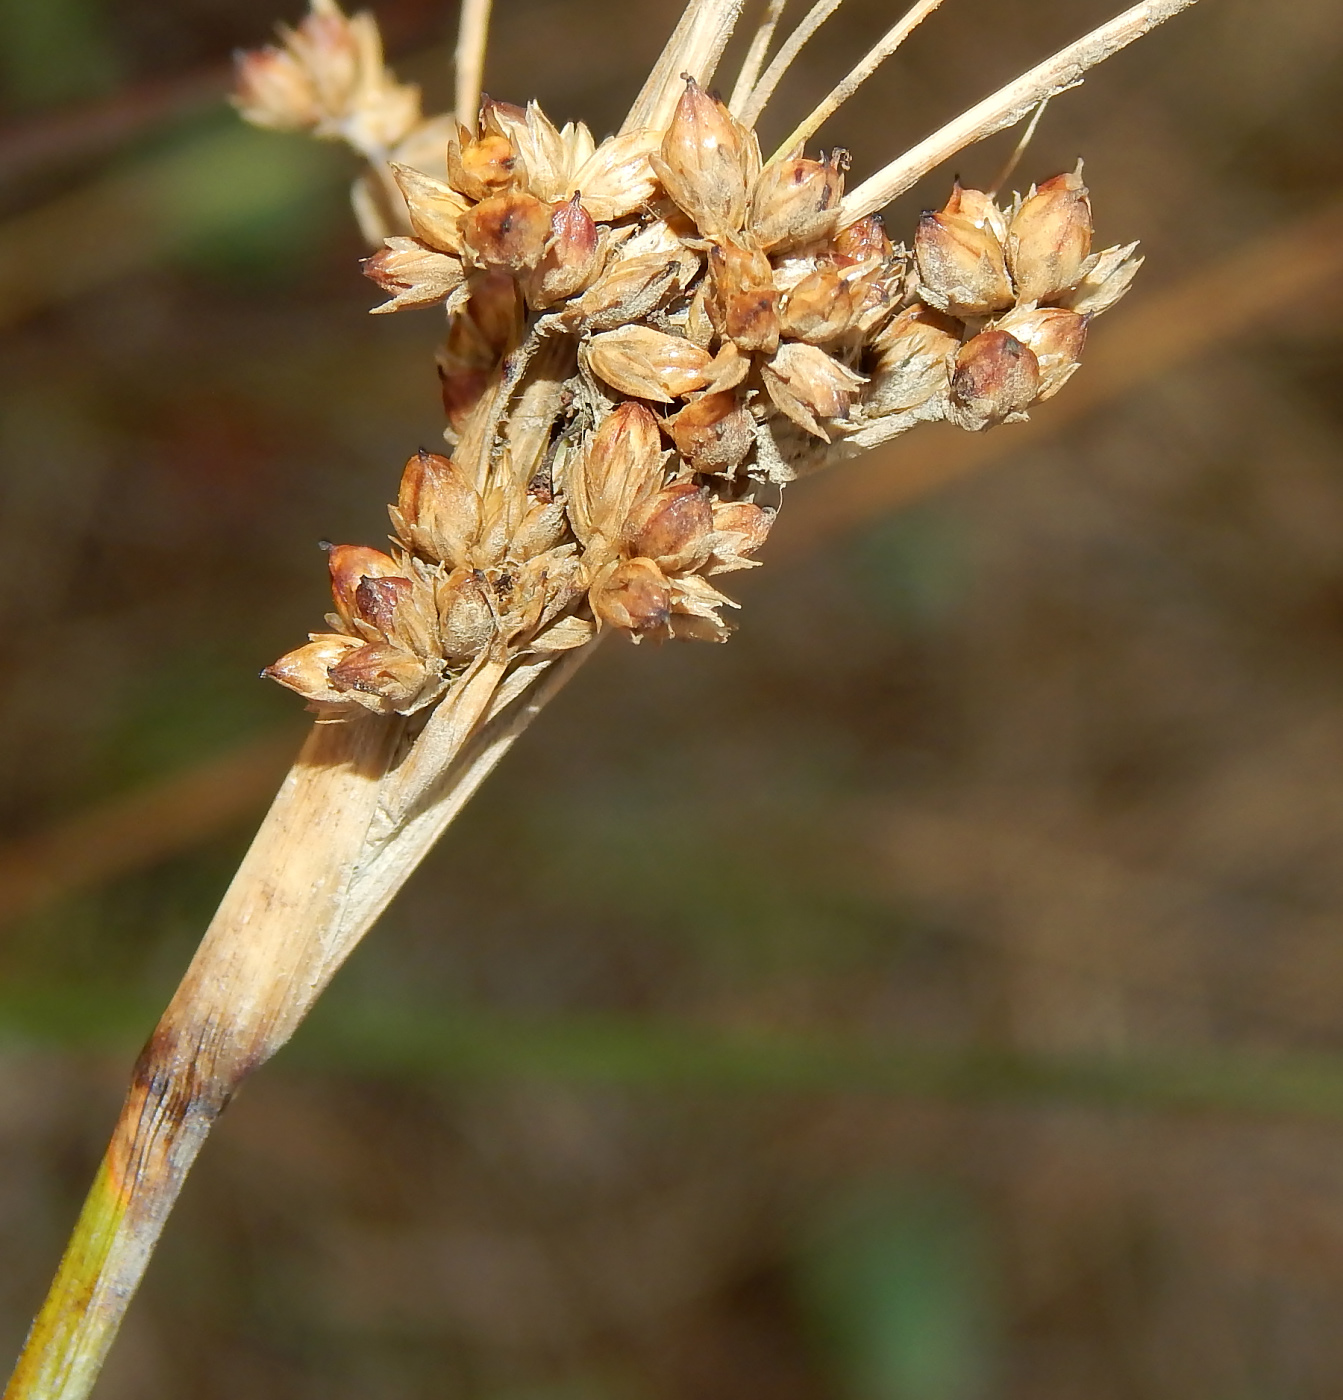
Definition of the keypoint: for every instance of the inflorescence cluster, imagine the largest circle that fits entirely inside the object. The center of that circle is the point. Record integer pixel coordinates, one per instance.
(647, 339)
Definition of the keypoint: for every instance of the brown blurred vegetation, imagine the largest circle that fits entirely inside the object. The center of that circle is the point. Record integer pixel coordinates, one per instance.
(933, 995)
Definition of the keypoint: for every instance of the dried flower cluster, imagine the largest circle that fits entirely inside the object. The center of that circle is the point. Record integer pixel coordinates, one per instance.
(645, 338)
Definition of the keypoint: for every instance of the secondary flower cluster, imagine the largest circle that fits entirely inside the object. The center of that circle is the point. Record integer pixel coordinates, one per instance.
(643, 336)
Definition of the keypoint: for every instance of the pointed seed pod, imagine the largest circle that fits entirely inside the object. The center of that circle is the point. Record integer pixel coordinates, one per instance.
(633, 596)
(508, 231)
(702, 162)
(413, 274)
(648, 364)
(619, 466)
(1050, 238)
(746, 296)
(713, 433)
(863, 239)
(572, 257)
(1055, 337)
(305, 670)
(672, 528)
(961, 264)
(466, 620)
(913, 360)
(821, 308)
(739, 529)
(438, 510)
(796, 201)
(806, 384)
(994, 381)
(617, 178)
(383, 678)
(435, 209)
(479, 167)
(981, 209)
(349, 565)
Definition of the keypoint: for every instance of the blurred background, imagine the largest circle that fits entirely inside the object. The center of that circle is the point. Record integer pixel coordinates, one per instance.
(933, 995)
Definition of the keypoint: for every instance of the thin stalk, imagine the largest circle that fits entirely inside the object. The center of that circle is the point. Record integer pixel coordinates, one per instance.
(352, 820)
(473, 29)
(755, 56)
(783, 60)
(842, 91)
(696, 45)
(1008, 105)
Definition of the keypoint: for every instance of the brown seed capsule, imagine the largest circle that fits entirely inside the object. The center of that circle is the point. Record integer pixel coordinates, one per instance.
(435, 209)
(349, 565)
(648, 364)
(273, 89)
(994, 381)
(630, 288)
(806, 384)
(913, 354)
(702, 162)
(540, 148)
(383, 678)
(305, 669)
(713, 433)
(821, 308)
(508, 231)
(1055, 337)
(466, 619)
(1050, 238)
(861, 241)
(437, 509)
(796, 201)
(961, 266)
(571, 259)
(482, 166)
(747, 299)
(980, 208)
(543, 526)
(633, 596)
(619, 466)
(413, 273)
(672, 528)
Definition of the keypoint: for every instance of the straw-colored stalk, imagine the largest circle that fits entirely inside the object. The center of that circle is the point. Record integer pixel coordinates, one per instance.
(397, 751)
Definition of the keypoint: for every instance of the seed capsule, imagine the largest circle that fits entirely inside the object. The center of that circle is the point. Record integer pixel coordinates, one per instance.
(821, 308)
(994, 381)
(673, 527)
(383, 678)
(961, 265)
(619, 467)
(414, 274)
(305, 670)
(617, 178)
(349, 565)
(712, 433)
(1050, 238)
(508, 231)
(796, 201)
(807, 384)
(633, 596)
(466, 620)
(912, 360)
(862, 240)
(435, 209)
(1055, 337)
(702, 162)
(572, 257)
(648, 364)
(437, 509)
(747, 299)
(739, 529)
(482, 166)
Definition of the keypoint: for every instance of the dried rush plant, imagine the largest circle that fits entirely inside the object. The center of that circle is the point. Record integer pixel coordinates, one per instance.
(648, 339)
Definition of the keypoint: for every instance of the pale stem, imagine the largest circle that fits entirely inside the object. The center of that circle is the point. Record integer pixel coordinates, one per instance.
(696, 45)
(755, 56)
(862, 71)
(1008, 105)
(783, 60)
(1019, 150)
(473, 28)
(345, 831)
